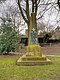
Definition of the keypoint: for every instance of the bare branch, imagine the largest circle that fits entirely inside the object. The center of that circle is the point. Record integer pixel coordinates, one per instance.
(45, 10)
(48, 4)
(27, 10)
(22, 12)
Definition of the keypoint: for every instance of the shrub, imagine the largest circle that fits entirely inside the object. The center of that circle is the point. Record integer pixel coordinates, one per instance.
(46, 37)
(8, 39)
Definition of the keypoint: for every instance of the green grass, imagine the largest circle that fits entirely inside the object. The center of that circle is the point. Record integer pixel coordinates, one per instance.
(10, 71)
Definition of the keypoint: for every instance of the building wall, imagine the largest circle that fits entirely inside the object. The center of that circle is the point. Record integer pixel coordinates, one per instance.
(56, 33)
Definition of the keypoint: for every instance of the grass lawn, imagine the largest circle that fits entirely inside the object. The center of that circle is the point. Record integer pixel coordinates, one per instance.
(10, 71)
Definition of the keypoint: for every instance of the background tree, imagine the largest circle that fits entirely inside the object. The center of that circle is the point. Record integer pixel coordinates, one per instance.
(39, 7)
(8, 38)
(27, 14)
(43, 8)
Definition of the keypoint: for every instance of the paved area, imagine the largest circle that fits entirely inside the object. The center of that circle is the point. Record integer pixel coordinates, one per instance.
(51, 50)
(47, 50)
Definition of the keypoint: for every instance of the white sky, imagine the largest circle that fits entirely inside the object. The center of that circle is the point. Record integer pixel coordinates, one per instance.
(53, 18)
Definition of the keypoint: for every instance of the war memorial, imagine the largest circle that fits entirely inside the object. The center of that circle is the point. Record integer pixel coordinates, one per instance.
(33, 54)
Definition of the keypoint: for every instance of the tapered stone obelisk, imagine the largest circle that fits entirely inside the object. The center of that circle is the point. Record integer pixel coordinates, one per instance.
(33, 55)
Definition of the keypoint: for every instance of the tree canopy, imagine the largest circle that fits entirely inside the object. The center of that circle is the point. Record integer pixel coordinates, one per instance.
(8, 38)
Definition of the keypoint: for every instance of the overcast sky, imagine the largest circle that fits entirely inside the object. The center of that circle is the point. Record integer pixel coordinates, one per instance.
(52, 19)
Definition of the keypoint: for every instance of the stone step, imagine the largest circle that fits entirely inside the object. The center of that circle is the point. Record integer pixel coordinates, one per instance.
(33, 58)
(33, 63)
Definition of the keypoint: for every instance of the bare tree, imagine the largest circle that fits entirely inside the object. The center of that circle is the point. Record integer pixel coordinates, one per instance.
(39, 7)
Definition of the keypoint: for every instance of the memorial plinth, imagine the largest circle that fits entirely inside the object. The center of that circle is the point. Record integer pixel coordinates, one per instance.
(33, 54)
